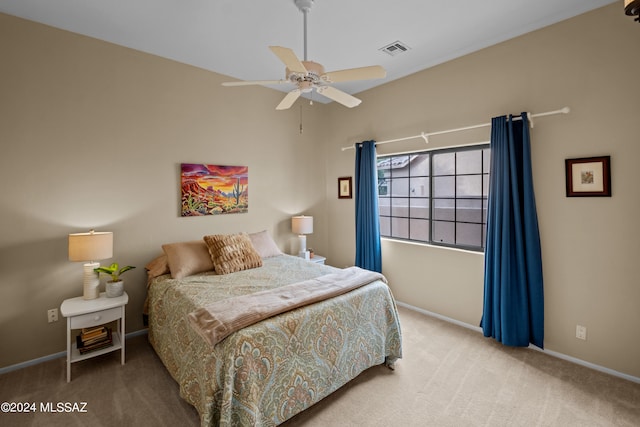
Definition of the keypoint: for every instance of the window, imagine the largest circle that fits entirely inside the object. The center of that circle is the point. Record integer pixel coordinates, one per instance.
(437, 197)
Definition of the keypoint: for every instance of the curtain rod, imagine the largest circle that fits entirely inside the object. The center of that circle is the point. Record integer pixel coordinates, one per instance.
(426, 136)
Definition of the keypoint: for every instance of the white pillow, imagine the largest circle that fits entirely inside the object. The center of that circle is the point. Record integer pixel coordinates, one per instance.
(264, 244)
(187, 258)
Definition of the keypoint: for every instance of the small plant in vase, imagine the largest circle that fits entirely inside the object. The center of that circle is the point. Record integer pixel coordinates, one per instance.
(115, 286)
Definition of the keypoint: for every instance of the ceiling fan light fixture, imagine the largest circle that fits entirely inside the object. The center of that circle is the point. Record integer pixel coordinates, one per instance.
(305, 87)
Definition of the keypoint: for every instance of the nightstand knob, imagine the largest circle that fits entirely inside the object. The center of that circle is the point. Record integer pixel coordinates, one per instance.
(96, 318)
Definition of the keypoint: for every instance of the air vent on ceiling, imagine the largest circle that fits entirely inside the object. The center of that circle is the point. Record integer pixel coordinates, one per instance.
(395, 48)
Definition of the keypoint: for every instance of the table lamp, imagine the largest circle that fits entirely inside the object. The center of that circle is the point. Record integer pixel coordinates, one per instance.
(89, 248)
(302, 225)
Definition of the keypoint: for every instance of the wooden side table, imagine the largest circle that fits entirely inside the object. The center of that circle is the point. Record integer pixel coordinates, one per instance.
(81, 313)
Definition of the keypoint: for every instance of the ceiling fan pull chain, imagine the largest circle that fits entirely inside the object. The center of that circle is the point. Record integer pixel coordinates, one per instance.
(300, 119)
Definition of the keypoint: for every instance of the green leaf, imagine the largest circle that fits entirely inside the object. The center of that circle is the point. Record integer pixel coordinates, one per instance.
(104, 270)
(114, 270)
(127, 268)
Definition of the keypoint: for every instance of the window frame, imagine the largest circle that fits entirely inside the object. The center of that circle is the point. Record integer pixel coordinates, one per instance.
(484, 149)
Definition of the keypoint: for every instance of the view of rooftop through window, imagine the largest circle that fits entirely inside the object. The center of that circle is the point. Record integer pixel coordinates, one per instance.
(437, 197)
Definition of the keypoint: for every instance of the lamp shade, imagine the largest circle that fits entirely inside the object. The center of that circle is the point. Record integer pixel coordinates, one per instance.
(302, 224)
(91, 246)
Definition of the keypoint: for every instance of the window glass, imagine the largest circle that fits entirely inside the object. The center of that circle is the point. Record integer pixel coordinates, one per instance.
(468, 234)
(419, 229)
(486, 157)
(420, 165)
(444, 209)
(469, 185)
(399, 187)
(384, 206)
(419, 208)
(444, 164)
(485, 183)
(399, 165)
(443, 232)
(469, 162)
(400, 206)
(400, 227)
(469, 210)
(444, 186)
(385, 226)
(419, 187)
(438, 197)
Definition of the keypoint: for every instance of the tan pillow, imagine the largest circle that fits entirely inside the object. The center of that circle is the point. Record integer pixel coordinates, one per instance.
(263, 243)
(232, 252)
(187, 258)
(158, 266)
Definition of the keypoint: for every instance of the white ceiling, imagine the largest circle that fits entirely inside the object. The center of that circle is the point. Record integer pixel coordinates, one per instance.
(231, 37)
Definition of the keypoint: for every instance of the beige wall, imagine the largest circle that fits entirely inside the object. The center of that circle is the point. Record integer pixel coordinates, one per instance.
(80, 117)
(92, 136)
(590, 245)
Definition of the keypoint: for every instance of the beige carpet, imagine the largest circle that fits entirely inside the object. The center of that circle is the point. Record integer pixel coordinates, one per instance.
(449, 376)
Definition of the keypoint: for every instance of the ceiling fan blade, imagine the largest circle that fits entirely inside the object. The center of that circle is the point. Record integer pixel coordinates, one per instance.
(339, 96)
(289, 99)
(289, 58)
(363, 73)
(255, 82)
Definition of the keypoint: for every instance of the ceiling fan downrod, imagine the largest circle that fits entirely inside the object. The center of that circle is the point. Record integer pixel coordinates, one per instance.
(304, 6)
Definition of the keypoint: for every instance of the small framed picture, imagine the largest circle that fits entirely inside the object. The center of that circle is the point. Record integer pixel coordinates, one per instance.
(588, 177)
(344, 187)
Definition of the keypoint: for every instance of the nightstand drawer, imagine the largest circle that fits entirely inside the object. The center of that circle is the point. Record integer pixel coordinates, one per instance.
(96, 318)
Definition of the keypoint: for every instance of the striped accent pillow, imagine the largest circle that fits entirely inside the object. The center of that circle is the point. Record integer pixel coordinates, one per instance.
(232, 252)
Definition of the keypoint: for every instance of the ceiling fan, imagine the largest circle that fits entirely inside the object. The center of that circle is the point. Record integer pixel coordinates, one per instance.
(308, 76)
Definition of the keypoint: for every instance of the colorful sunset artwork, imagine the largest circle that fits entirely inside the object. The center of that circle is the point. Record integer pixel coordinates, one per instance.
(213, 189)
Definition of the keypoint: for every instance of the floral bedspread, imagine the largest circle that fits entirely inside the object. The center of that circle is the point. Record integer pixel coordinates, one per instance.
(266, 373)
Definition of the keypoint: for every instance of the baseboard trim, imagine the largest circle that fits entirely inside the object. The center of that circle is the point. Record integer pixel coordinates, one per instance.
(549, 352)
(439, 316)
(56, 355)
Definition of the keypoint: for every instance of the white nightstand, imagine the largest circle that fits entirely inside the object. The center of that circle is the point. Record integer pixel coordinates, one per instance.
(81, 313)
(318, 259)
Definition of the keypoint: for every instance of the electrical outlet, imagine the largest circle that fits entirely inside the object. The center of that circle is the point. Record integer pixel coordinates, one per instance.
(52, 315)
(581, 332)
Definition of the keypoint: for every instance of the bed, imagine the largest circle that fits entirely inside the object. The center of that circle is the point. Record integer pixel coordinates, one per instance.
(266, 372)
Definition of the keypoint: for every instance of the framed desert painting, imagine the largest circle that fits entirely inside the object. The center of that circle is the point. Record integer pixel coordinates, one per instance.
(213, 189)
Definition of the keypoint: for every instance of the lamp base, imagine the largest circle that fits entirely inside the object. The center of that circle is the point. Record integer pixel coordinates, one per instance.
(303, 242)
(91, 281)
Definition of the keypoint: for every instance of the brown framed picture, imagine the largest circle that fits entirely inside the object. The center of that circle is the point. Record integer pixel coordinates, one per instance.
(344, 187)
(588, 176)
